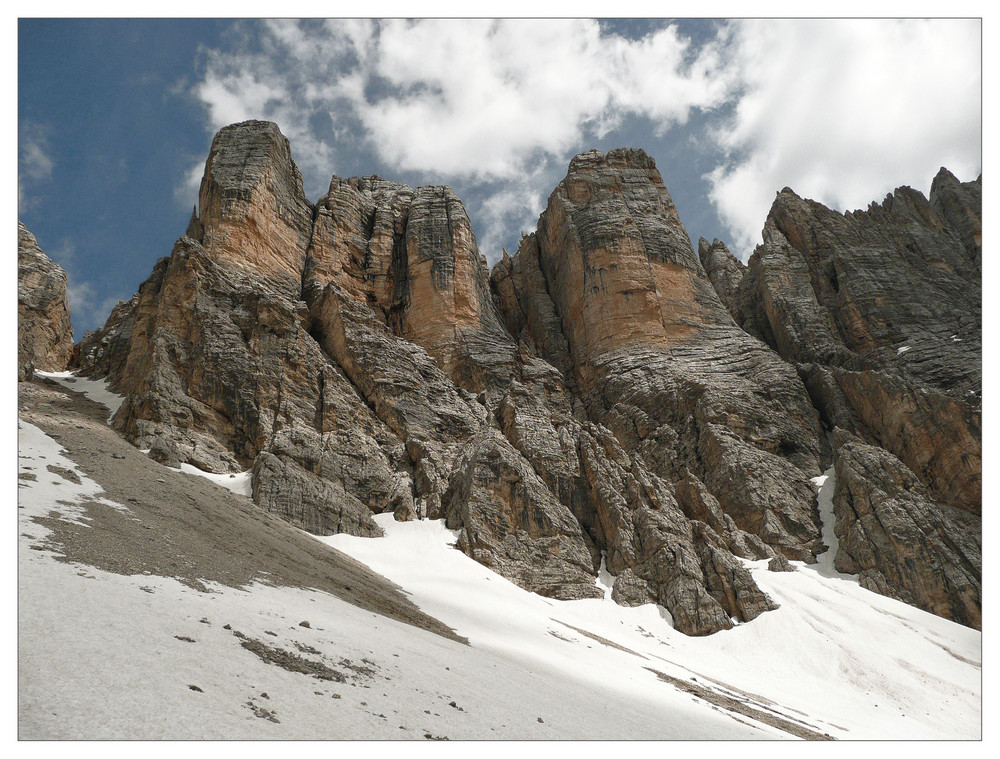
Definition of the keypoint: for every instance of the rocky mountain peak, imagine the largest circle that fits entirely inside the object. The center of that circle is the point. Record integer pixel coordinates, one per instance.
(44, 331)
(961, 204)
(724, 270)
(410, 255)
(606, 393)
(619, 261)
(253, 211)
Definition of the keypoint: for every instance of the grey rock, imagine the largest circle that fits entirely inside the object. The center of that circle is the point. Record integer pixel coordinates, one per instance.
(779, 564)
(610, 288)
(724, 270)
(900, 542)
(604, 392)
(542, 548)
(881, 310)
(961, 204)
(317, 506)
(44, 331)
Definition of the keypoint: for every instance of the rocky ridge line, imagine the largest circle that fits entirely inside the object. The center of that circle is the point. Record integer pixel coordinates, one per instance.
(595, 396)
(880, 311)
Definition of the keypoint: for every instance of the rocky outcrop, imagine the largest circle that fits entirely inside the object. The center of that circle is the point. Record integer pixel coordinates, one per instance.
(218, 366)
(898, 540)
(411, 257)
(254, 215)
(655, 355)
(104, 352)
(593, 399)
(961, 205)
(511, 522)
(675, 415)
(881, 312)
(44, 332)
(724, 270)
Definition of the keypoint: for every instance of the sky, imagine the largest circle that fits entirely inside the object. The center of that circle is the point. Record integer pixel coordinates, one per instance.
(116, 116)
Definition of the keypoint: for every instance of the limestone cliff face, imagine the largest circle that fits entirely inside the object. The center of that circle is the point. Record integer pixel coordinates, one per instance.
(654, 353)
(44, 332)
(254, 213)
(899, 541)
(411, 256)
(592, 399)
(215, 359)
(880, 311)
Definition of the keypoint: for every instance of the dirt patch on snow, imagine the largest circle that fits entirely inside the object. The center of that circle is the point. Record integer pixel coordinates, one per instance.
(183, 526)
(734, 705)
(289, 661)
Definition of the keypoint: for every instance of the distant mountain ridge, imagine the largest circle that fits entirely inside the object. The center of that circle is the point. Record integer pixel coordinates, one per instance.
(607, 394)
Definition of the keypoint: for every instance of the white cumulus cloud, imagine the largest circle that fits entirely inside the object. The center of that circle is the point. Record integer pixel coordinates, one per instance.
(844, 111)
(475, 99)
(482, 98)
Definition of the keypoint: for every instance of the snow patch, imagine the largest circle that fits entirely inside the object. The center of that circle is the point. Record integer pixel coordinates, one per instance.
(96, 390)
(605, 580)
(49, 484)
(901, 350)
(825, 486)
(239, 483)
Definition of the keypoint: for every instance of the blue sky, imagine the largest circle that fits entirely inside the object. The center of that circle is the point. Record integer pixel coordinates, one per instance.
(115, 118)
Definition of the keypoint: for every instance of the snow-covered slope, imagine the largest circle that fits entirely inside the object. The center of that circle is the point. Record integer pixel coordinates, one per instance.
(106, 655)
(835, 657)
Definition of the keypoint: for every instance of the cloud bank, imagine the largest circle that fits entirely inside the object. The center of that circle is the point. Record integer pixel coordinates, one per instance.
(841, 111)
(844, 111)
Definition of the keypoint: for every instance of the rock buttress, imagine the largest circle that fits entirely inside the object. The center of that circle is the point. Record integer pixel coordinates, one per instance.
(44, 331)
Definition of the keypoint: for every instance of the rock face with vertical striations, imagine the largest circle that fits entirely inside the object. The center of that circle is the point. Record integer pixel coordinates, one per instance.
(604, 396)
(610, 292)
(898, 540)
(724, 271)
(219, 367)
(655, 356)
(880, 311)
(44, 332)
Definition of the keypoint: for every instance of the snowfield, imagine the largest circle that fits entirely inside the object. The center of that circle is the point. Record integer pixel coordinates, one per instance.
(108, 656)
(835, 657)
(104, 655)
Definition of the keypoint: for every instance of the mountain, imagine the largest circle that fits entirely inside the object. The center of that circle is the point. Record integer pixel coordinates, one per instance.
(607, 417)
(44, 332)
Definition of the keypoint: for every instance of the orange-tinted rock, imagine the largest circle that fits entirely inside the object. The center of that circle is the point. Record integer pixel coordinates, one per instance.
(610, 287)
(592, 398)
(411, 256)
(253, 212)
(618, 262)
